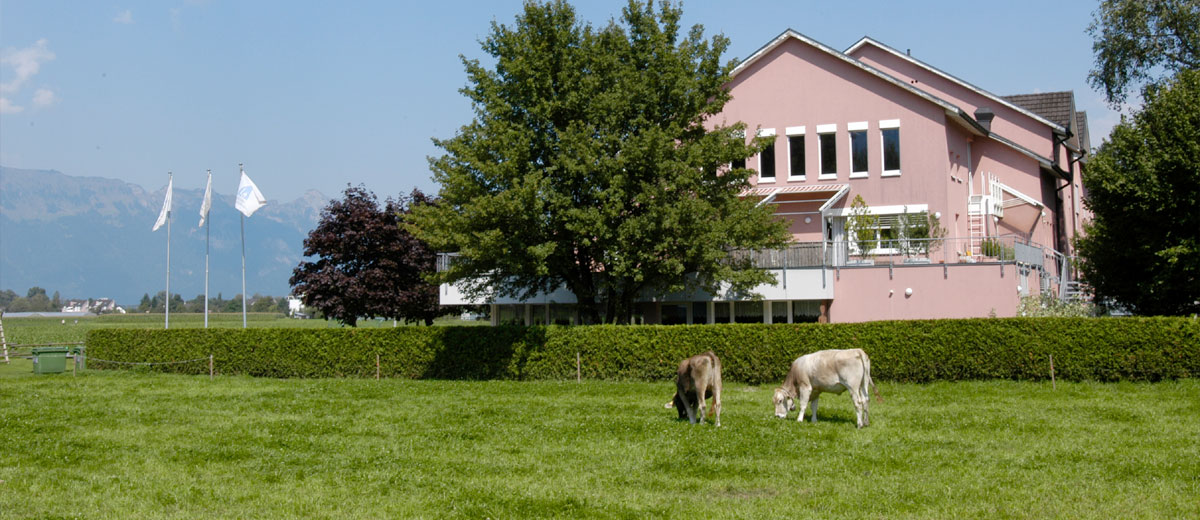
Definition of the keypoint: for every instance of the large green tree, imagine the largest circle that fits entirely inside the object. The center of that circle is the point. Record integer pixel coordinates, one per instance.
(1140, 41)
(1142, 248)
(594, 163)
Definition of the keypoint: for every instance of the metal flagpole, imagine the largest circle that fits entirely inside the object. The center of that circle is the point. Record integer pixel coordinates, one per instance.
(167, 304)
(243, 263)
(208, 225)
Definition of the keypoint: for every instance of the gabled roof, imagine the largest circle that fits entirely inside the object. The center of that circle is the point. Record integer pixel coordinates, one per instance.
(953, 111)
(789, 34)
(953, 79)
(1058, 107)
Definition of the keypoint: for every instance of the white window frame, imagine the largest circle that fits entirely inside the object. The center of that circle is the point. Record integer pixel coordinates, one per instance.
(858, 126)
(830, 129)
(790, 132)
(767, 132)
(887, 124)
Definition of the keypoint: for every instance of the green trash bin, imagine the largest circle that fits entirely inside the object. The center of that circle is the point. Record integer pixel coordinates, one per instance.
(80, 354)
(49, 360)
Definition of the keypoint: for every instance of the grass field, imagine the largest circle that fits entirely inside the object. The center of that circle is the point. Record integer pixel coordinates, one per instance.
(142, 445)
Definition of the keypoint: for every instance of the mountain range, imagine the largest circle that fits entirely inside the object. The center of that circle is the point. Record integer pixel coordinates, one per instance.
(90, 237)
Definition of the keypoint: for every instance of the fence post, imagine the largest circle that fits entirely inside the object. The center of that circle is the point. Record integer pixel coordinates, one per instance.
(376, 366)
(210, 367)
(578, 372)
(1053, 385)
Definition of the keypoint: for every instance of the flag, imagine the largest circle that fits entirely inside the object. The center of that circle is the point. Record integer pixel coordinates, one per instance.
(249, 199)
(166, 209)
(207, 204)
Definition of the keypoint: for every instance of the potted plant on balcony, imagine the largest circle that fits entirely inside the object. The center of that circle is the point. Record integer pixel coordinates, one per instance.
(863, 229)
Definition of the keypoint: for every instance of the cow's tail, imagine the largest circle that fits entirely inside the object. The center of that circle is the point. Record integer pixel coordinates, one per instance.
(867, 382)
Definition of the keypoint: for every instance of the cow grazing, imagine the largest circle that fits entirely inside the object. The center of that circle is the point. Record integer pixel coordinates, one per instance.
(832, 371)
(698, 377)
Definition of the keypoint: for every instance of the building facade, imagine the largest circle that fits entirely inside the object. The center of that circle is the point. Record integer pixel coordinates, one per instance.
(909, 193)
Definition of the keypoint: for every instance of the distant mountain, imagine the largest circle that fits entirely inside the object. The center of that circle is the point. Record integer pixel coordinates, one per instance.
(89, 237)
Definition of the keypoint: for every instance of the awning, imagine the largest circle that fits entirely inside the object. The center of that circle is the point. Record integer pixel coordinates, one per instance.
(824, 193)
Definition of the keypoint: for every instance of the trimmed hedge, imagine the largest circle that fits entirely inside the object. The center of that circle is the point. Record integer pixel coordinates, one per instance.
(1128, 349)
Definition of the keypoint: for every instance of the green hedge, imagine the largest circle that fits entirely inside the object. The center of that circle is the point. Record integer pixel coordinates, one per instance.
(1130, 349)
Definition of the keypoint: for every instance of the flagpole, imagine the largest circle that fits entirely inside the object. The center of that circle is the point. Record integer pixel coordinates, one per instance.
(242, 169)
(167, 306)
(206, 237)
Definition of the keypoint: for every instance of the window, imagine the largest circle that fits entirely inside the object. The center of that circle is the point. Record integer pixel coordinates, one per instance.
(699, 312)
(738, 164)
(766, 164)
(827, 139)
(779, 312)
(806, 311)
(890, 135)
(795, 139)
(748, 312)
(858, 150)
(674, 314)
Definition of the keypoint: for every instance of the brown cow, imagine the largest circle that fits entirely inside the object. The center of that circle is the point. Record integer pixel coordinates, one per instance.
(698, 377)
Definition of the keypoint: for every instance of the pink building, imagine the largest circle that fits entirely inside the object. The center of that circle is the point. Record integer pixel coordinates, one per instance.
(1000, 175)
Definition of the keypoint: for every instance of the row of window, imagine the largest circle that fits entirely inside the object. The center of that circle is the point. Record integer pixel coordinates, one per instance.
(827, 156)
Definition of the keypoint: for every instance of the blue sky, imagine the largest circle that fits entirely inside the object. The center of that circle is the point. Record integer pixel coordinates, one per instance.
(315, 95)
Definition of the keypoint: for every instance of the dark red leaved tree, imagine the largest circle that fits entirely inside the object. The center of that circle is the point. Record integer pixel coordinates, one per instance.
(366, 265)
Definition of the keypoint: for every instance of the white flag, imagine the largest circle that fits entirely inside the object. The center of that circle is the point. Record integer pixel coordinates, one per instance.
(207, 204)
(249, 199)
(166, 209)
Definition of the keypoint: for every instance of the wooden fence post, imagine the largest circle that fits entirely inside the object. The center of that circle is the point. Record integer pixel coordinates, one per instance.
(376, 366)
(1053, 385)
(210, 367)
(578, 371)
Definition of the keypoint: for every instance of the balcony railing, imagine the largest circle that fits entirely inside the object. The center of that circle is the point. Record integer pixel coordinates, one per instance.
(994, 249)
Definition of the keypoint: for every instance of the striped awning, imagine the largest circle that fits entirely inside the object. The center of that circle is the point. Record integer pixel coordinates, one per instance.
(763, 191)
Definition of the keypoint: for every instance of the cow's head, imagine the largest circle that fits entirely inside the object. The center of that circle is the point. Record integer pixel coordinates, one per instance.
(783, 402)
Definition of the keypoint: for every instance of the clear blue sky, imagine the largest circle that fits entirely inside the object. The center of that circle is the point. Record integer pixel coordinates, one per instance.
(315, 95)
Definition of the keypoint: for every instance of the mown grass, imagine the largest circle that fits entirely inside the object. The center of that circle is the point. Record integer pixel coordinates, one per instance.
(142, 445)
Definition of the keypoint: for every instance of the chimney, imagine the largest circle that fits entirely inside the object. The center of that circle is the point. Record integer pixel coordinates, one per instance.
(984, 115)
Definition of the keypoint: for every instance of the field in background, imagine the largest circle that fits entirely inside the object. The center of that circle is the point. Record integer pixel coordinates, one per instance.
(55, 330)
(131, 444)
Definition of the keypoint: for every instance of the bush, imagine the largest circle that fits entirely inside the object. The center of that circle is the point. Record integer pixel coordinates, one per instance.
(1133, 349)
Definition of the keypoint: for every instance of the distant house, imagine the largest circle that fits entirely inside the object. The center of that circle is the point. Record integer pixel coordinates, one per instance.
(1000, 174)
(96, 306)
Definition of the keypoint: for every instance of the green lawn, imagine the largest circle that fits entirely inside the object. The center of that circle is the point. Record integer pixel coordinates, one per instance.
(144, 445)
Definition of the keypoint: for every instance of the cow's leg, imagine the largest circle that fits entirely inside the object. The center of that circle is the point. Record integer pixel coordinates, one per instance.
(866, 406)
(700, 404)
(814, 403)
(802, 398)
(717, 404)
(688, 406)
(859, 409)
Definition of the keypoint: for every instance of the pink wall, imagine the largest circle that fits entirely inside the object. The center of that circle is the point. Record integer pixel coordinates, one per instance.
(970, 291)
(1009, 123)
(798, 85)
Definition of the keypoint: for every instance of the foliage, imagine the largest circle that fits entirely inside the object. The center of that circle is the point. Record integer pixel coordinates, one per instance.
(1138, 41)
(366, 264)
(1048, 305)
(1142, 248)
(158, 446)
(925, 228)
(997, 249)
(1017, 348)
(35, 300)
(863, 226)
(591, 165)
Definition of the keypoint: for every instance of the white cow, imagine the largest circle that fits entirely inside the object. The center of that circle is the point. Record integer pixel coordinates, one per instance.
(832, 371)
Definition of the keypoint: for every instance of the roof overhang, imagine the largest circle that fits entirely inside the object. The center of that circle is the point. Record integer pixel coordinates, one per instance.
(904, 56)
(825, 194)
